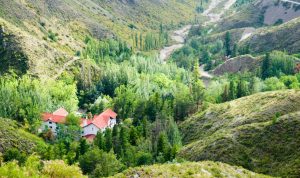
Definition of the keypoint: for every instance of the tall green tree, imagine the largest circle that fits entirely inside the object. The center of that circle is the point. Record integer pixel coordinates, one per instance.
(227, 44)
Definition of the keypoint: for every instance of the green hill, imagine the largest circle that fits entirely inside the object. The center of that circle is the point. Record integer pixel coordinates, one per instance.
(204, 169)
(48, 34)
(282, 37)
(259, 132)
(13, 137)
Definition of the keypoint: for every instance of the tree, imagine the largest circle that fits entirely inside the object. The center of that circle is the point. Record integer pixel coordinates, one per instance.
(225, 95)
(144, 158)
(265, 69)
(133, 136)
(100, 141)
(108, 139)
(99, 163)
(235, 50)
(108, 165)
(83, 146)
(232, 90)
(163, 146)
(72, 119)
(242, 89)
(14, 154)
(228, 44)
(58, 168)
(197, 87)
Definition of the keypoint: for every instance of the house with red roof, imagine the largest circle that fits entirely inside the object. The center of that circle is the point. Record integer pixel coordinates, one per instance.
(50, 120)
(90, 127)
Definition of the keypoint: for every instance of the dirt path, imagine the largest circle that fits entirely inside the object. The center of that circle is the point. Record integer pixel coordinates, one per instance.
(247, 33)
(179, 37)
(293, 2)
(205, 73)
(215, 17)
(64, 67)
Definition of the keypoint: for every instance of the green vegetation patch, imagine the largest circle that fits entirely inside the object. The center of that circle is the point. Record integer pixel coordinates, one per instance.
(189, 169)
(13, 137)
(259, 132)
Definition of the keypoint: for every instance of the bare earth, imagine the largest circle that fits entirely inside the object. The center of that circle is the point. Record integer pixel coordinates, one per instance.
(179, 37)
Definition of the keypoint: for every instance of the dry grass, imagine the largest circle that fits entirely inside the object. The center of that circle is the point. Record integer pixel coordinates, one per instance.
(206, 169)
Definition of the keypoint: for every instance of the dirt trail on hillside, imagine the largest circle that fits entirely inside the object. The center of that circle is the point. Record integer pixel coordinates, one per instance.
(247, 33)
(293, 2)
(64, 67)
(215, 17)
(179, 37)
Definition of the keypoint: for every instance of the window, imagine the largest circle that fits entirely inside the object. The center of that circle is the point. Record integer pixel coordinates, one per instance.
(50, 122)
(50, 127)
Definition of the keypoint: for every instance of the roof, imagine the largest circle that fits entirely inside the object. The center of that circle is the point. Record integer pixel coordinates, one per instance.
(61, 112)
(53, 118)
(90, 137)
(101, 121)
(58, 116)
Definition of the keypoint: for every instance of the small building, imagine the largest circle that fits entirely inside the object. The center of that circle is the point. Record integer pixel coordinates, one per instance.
(90, 127)
(50, 120)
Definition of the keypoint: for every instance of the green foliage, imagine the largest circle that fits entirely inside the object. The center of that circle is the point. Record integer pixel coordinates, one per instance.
(189, 169)
(254, 132)
(99, 163)
(26, 98)
(278, 63)
(227, 44)
(58, 168)
(34, 168)
(11, 56)
(105, 51)
(14, 154)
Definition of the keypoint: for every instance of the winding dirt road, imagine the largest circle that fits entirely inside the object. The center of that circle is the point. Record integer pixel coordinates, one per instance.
(179, 37)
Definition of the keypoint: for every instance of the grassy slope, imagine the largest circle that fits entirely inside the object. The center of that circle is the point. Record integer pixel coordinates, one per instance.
(245, 132)
(13, 137)
(205, 169)
(30, 22)
(282, 37)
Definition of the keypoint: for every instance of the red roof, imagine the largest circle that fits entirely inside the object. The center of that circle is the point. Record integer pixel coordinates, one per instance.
(61, 112)
(53, 118)
(58, 116)
(101, 121)
(90, 137)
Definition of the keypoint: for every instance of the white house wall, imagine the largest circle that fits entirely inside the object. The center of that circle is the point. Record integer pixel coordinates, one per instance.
(90, 129)
(50, 125)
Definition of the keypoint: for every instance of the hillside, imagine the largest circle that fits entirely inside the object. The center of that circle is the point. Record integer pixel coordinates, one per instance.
(259, 132)
(245, 63)
(48, 34)
(11, 136)
(257, 13)
(204, 169)
(282, 37)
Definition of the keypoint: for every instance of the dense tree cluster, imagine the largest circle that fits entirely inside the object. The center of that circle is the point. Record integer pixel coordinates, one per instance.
(25, 98)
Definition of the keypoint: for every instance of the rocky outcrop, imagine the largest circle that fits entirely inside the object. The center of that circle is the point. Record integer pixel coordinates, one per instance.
(238, 64)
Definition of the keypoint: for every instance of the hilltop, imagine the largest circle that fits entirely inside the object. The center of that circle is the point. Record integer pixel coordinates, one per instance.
(259, 132)
(204, 169)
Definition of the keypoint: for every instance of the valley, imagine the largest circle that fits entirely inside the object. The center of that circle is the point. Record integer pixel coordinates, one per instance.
(152, 88)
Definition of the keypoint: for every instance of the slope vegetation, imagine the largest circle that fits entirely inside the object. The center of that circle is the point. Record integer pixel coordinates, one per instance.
(259, 132)
(282, 37)
(256, 13)
(50, 33)
(204, 169)
(13, 137)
